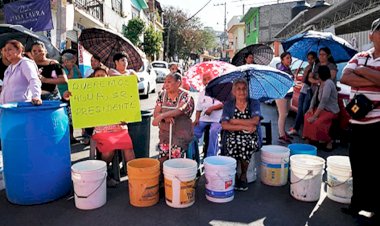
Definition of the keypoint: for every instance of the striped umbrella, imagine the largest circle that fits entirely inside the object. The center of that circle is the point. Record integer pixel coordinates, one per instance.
(105, 44)
(262, 54)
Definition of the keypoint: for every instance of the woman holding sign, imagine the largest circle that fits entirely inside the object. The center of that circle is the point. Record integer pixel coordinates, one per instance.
(111, 137)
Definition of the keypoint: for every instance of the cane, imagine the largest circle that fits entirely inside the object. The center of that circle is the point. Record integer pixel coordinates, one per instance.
(170, 139)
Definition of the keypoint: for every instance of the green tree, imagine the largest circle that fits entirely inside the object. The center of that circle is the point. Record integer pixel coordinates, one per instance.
(184, 35)
(134, 30)
(152, 41)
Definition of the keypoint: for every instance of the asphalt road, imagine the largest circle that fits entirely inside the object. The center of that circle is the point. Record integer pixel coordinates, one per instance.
(260, 205)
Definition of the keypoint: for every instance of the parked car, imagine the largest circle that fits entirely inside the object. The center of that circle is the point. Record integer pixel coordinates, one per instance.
(162, 70)
(147, 80)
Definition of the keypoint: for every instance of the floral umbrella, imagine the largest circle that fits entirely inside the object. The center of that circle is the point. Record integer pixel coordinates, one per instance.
(195, 73)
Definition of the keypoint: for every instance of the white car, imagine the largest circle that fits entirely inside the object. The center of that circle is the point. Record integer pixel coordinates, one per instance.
(162, 70)
(147, 80)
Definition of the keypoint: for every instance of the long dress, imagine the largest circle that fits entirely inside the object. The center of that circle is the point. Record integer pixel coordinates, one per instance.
(182, 130)
(241, 145)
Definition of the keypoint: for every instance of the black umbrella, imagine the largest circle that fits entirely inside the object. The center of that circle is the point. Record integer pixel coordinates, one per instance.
(105, 43)
(262, 54)
(27, 38)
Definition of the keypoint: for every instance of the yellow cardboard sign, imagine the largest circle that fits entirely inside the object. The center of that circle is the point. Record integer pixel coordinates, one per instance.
(104, 101)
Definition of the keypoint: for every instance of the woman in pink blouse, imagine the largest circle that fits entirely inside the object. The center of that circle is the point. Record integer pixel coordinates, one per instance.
(21, 82)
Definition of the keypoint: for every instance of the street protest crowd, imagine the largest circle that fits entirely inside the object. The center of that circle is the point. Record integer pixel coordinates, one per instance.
(30, 76)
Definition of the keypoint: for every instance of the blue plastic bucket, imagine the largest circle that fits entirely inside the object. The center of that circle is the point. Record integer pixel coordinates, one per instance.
(36, 151)
(305, 149)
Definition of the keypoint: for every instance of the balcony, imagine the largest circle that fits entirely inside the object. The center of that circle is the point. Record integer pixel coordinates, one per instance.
(92, 7)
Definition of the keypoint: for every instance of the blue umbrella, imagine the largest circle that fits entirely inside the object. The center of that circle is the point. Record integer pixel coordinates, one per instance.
(299, 45)
(265, 83)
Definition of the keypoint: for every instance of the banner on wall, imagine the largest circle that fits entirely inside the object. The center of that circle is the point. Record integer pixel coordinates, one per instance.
(32, 14)
(104, 101)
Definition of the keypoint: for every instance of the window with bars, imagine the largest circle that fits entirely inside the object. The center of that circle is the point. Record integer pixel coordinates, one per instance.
(116, 6)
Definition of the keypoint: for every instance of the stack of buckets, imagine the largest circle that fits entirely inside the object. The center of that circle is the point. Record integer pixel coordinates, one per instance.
(306, 172)
(339, 179)
(89, 178)
(143, 181)
(180, 181)
(220, 178)
(274, 165)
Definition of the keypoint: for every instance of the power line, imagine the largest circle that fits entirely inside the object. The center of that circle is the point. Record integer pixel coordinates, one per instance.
(198, 11)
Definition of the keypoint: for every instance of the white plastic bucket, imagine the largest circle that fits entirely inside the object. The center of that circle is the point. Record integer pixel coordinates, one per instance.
(306, 177)
(180, 182)
(89, 178)
(339, 179)
(251, 171)
(274, 165)
(220, 178)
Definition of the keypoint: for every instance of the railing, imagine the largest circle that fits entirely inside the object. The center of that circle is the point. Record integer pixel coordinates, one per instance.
(92, 7)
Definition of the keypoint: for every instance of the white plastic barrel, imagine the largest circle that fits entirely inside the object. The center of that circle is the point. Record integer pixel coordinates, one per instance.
(339, 179)
(220, 178)
(180, 182)
(306, 177)
(89, 178)
(274, 165)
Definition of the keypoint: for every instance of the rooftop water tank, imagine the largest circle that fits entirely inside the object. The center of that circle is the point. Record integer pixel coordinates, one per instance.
(299, 7)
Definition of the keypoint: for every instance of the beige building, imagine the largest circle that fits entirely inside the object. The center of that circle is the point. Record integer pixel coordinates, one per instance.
(236, 35)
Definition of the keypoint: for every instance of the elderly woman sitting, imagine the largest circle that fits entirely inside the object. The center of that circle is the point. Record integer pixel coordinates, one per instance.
(242, 138)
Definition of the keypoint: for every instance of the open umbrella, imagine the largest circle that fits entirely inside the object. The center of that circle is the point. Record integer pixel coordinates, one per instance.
(27, 38)
(262, 54)
(265, 83)
(301, 44)
(105, 44)
(195, 73)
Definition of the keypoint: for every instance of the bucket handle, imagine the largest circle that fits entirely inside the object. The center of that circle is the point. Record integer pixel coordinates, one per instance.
(337, 185)
(86, 196)
(195, 184)
(309, 173)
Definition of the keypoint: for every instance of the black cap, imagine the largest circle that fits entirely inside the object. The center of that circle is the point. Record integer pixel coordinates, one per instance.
(375, 25)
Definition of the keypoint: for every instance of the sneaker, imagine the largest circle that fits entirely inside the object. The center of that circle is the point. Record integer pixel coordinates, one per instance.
(237, 186)
(292, 132)
(243, 186)
(111, 183)
(284, 139)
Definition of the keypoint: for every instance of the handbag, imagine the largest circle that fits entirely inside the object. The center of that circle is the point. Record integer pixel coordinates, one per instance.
(360, 106)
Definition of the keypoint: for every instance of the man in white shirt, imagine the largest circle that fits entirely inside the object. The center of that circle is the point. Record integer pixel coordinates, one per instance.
(208, 112)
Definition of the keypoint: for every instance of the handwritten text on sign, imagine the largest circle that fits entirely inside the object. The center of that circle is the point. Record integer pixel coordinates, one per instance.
(104, 101)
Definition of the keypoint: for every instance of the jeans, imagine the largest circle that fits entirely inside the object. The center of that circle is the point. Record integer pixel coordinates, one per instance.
(215, 128)
(303, 105)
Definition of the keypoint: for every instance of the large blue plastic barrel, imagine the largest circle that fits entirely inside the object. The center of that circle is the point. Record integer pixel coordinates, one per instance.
(36, 151)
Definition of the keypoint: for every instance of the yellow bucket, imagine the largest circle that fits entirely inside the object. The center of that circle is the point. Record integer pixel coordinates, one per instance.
(143, 180)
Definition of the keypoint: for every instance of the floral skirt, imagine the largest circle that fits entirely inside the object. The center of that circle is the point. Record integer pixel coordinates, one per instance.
(176, 151)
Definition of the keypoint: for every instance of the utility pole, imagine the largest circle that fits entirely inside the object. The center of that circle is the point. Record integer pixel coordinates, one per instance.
(224, 34)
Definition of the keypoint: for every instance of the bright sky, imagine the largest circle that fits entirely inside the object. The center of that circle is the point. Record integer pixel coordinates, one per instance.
(212, 15)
